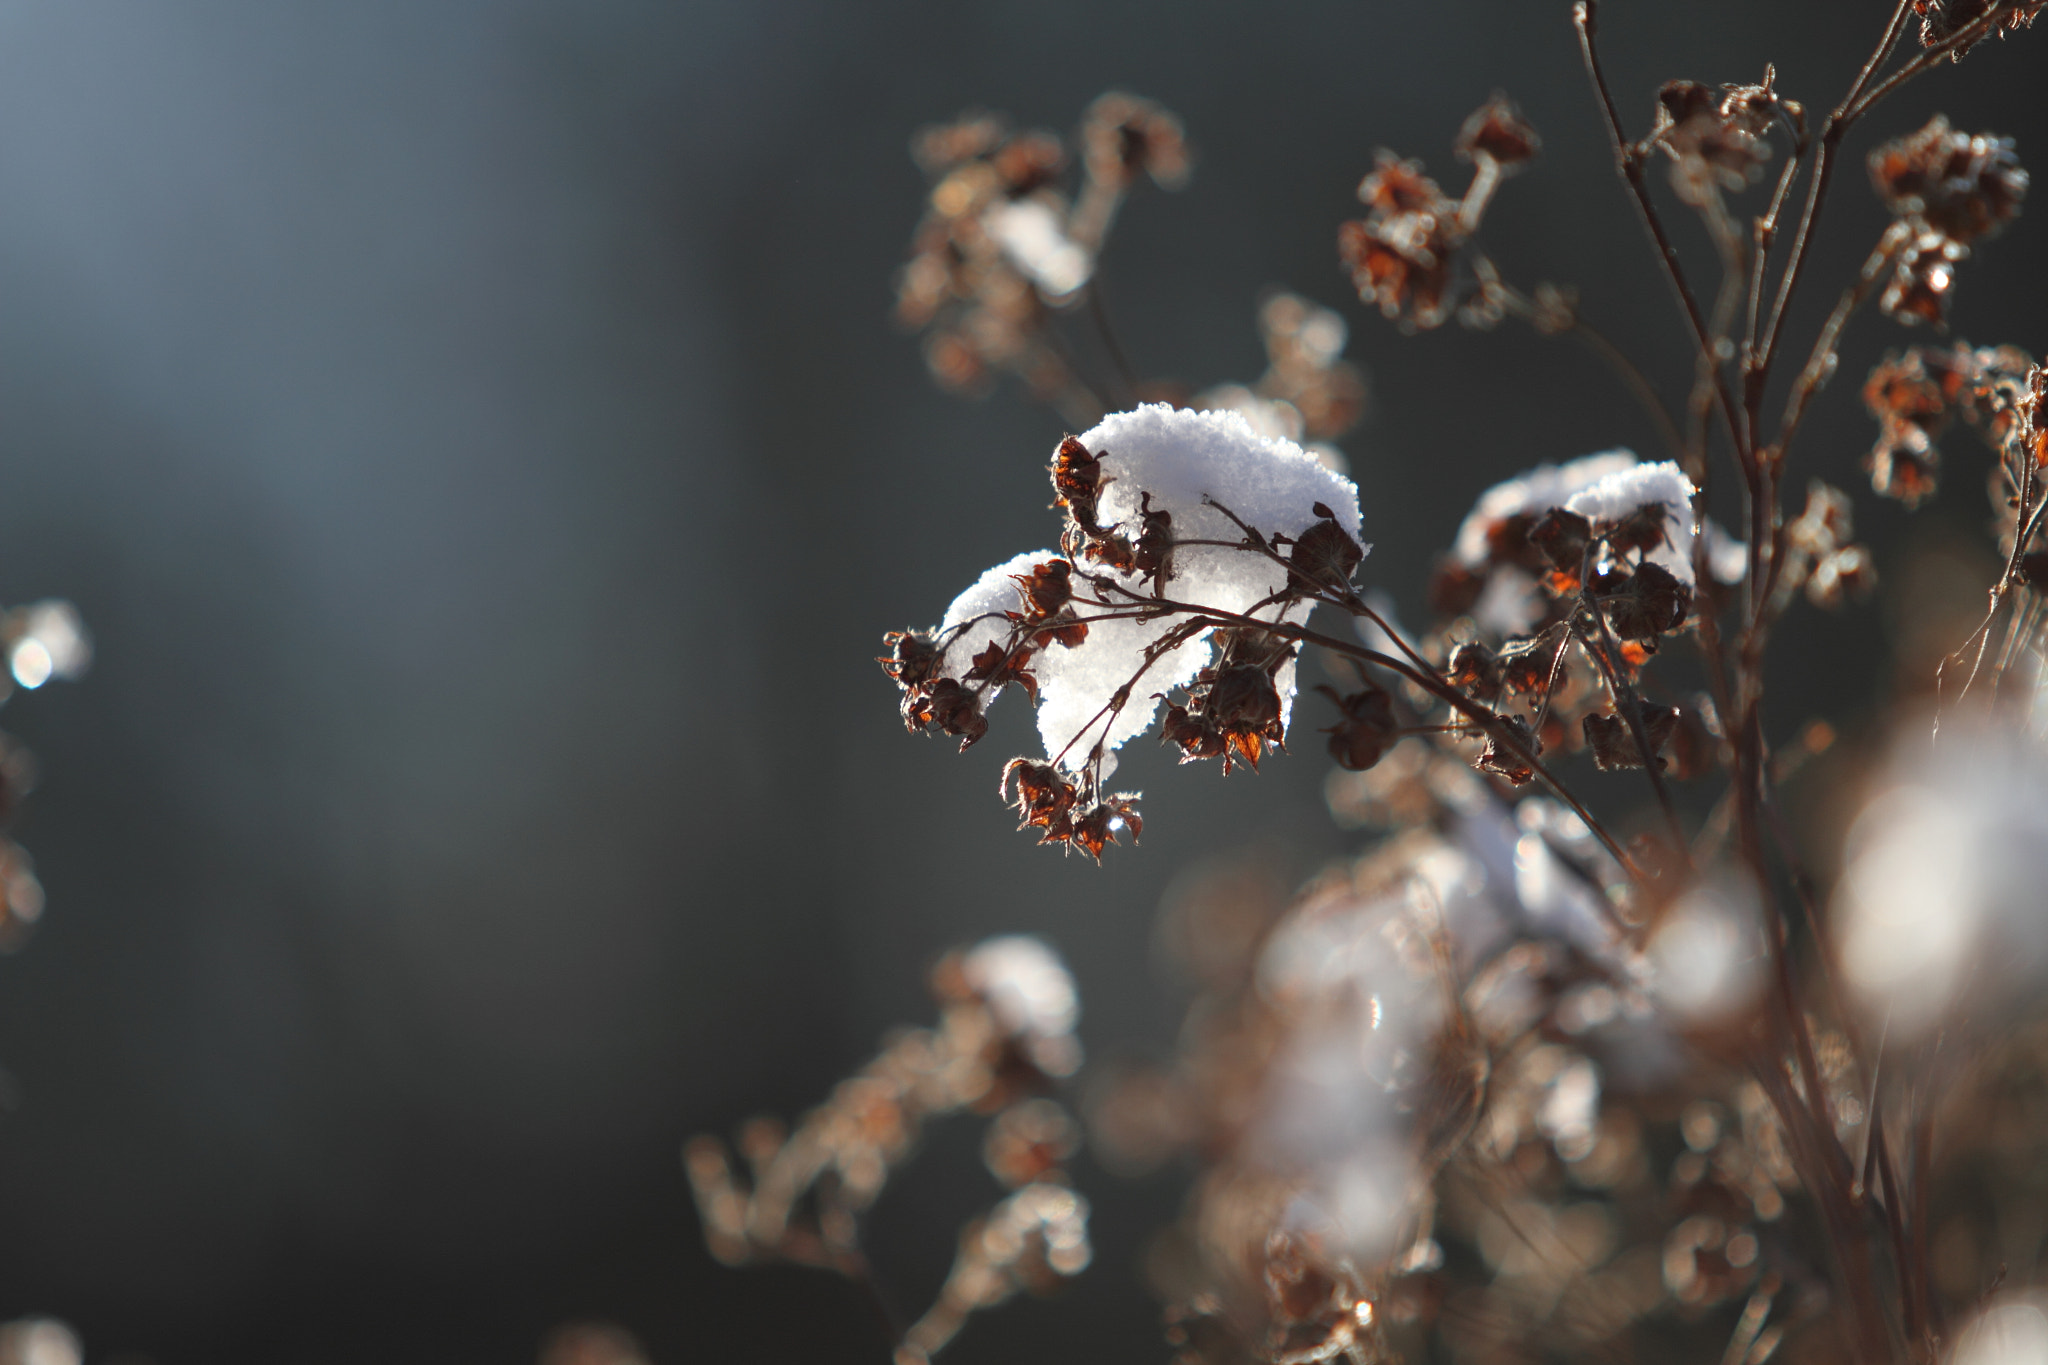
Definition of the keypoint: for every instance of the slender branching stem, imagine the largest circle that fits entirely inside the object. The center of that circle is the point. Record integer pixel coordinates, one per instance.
(1628, 160)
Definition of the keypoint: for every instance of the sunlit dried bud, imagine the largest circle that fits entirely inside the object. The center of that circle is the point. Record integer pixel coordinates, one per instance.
(1497, 129)
(1397, 186)
(1197, 737)
(912, 657)
(1243, 703)
(1715, 137)
(1473, 667)
(1325, 555)
(1900, 388)
(1848, 573)
(1941, 20)
(1920, 284)
(1099, 826)
(1503, 761)
(1614, 744)
(1962, 186)
(953, 707)
(999, 666)
(1361, 737)
(1047, 588)
(1525, 665)
(1076, 478)
(1638, 531)
(1403, 265)
(1904, 464)
(1124, 135)
(1028, 162)
(1646, 603)
(1561, 537)
(1030, 1141)
(1044, 794)
(1400, 257)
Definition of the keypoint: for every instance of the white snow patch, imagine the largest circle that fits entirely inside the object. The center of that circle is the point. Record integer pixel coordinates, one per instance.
(1622, 492)
(1030, 234)
(1532, 493)
(1180, 458)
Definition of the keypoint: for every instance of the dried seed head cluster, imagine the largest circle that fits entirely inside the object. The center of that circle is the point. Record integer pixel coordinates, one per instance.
(1409, 255)
(1915, 393)
(1540, 1076)
(1188, 538)
(1001, 247)
(1943, 21)
(1946, 190)
(1718, 137)
(1006, 1035)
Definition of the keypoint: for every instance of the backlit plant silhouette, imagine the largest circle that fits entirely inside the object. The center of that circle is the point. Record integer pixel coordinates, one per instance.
(1509, 1085)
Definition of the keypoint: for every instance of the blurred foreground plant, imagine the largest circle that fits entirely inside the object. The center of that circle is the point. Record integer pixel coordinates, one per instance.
(1565, 1062)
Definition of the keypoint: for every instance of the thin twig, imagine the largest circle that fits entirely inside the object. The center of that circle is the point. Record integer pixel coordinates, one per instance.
(1628, 161)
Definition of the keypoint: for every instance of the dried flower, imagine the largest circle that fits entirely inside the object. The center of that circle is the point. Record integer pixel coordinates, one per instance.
(1716, 138)
(1938, 909)
(1160, 504)
(1960, 185)
(1496, 129)
(1613, 741)
(1941, 20)
(1401, 256)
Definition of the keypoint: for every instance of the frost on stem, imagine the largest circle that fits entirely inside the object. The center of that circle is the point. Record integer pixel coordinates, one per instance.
(1187, 534)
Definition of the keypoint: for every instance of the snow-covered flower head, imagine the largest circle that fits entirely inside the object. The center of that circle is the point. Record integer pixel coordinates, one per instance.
(1188, 534)
(1493, 571)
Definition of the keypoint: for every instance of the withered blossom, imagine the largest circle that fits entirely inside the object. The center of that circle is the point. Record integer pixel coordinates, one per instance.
(1002, 247)
(1402, 256)
(1941, 20)
(1964, 186)
(1914, 394)
(1612, 740)
(1406, 254)
(1005, 1034)
(1497, 130)
(1717, 137)
(1173, 519)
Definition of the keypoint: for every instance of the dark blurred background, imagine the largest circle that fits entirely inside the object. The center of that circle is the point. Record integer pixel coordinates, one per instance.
(475, 436)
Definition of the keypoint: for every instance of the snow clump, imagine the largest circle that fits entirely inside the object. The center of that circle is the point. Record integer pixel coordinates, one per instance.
(1158, 459)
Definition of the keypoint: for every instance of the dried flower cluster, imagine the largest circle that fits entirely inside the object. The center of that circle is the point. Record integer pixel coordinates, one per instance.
(1002, 248)
(1005, 1036)
(1581, 1057)
(1408, 255)
(1946, 190)
(1193, 550)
